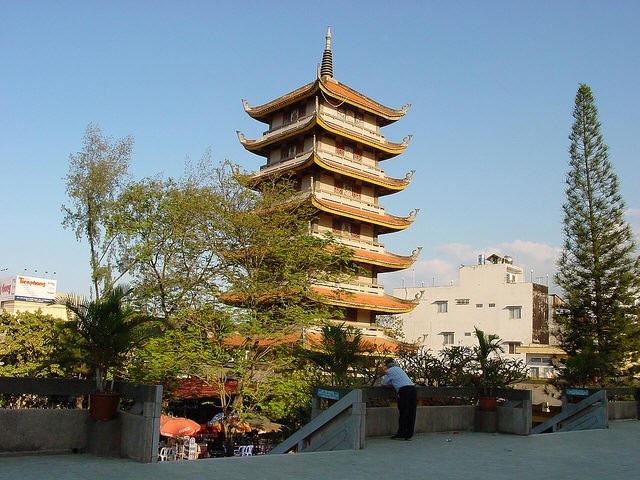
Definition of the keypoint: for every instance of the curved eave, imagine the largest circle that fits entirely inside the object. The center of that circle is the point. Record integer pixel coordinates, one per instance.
(261, 146)
(387, 222)
(367, 301)
(387, 261)
(343, 93)
(313, 341)
(387, 185)
(263, 112)
(386, 149)
(293, 165)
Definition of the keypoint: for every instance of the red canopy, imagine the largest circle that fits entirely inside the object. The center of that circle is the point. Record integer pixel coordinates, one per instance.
(178, 426)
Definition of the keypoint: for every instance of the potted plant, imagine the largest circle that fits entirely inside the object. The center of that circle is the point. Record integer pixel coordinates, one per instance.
(494, 371)
(109, 329)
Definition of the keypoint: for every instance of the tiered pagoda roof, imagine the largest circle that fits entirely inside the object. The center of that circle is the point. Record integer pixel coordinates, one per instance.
(312, 118)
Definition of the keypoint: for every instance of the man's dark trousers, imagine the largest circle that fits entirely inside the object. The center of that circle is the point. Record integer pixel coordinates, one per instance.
(407, 405)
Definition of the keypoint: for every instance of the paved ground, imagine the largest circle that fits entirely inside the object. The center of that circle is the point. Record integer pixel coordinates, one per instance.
(593, 454)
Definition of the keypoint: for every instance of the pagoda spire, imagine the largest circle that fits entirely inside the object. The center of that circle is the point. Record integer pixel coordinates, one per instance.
(326, 69)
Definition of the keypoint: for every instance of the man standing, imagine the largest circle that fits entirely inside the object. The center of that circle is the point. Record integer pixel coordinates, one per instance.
(407, 398)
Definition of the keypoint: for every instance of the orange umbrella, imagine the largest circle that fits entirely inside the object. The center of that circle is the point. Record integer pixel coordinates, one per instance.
(178, 426)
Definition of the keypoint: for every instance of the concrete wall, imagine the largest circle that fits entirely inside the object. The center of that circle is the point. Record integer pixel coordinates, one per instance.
(132, 434)
(43, 431)
(619, 410)
(382, 421)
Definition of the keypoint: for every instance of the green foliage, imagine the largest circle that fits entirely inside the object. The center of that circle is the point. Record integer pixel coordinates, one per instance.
(289, 397)
(271, 258)
(108, 329)
(481, 366)
(96, 176)
(598, 269)
(169, 231)
(339, 355)
(31, 345)
(191, 346)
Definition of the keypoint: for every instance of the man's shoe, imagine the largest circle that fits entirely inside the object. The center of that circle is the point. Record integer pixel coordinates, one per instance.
(396, 437)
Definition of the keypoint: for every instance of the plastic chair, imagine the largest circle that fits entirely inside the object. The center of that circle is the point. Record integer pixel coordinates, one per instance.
(245, 450)
(190, 449)
(165, 454)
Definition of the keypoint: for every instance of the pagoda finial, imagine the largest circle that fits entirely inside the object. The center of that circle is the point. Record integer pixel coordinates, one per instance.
(326, 69)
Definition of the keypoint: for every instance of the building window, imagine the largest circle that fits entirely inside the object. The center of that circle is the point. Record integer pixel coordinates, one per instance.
(492, 305)
(462, 301)
(540, 361)
(479, 305)
(442, 306)
(291, 150)
(467, 334)
(513, 346)
(448, 338)
(515, 313)
(534, 372)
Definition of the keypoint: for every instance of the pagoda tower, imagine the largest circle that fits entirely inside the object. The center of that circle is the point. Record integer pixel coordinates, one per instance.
(329, 136)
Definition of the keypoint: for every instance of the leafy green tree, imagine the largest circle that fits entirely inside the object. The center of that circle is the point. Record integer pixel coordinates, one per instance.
(271, 258)
(96, 176)
(598, 269)
(340, 353)
(169, 234)
(30, 345)
(109, 330)
(33, 344)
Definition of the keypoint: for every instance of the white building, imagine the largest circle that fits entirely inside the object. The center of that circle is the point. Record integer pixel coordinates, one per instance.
(494, 297)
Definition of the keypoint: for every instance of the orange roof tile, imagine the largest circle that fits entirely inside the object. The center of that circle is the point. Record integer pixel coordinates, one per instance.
(385, 220)
(384, 259)
(344, 92)
(382, 345)
(367, 301)
(332, 88)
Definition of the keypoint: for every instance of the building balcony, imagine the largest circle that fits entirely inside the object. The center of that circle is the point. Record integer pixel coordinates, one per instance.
(329, 154)
(354, 288)
(327, 193)
(358, 127)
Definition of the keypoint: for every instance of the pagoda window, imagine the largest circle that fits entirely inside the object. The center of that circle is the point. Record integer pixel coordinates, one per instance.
(340, 150)
(351, 315)
(359, 119)
(294, 114)
(290, 150)
(348, 152)
(346, 228)
(350, 116)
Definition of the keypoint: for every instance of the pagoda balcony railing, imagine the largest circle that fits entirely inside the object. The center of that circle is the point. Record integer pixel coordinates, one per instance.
(281, 162)
(334, 117)
(354, 287)
(347, 200)
(352, 163)
(286, 127)
(351, 240)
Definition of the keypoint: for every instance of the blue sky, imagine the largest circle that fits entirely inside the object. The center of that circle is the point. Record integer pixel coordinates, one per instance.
(492, 86)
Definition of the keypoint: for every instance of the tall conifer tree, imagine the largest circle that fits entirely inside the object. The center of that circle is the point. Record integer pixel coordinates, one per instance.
(598, 268)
